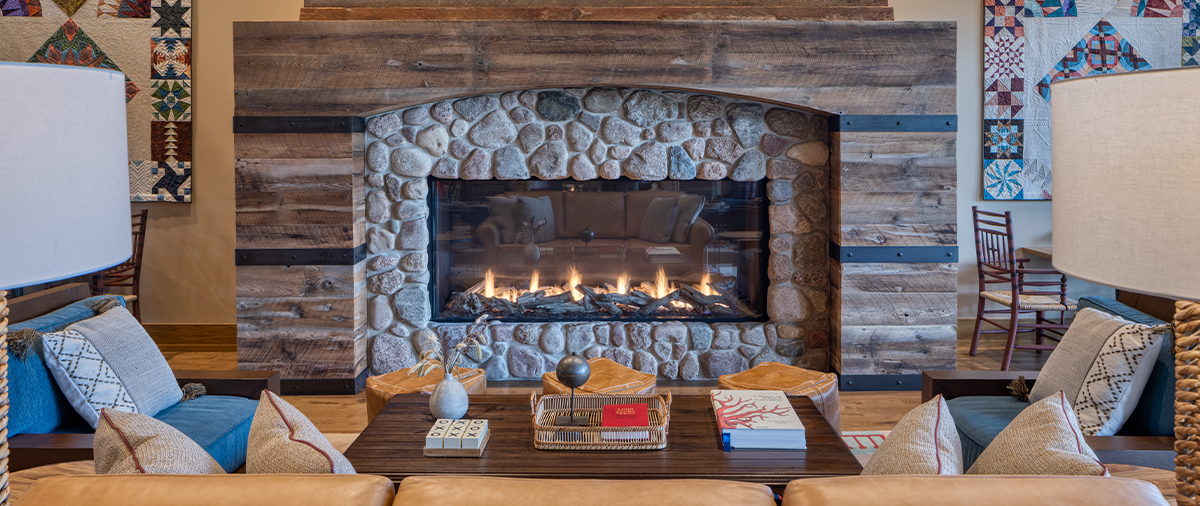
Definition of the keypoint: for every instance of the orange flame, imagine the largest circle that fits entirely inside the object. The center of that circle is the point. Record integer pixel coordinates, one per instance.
(533, 282)
(661, 286)
(573, 282)
(704, 288)
(489, 284)
(623, 283)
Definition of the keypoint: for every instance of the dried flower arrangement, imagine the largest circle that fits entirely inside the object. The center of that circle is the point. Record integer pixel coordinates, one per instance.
(431, 357)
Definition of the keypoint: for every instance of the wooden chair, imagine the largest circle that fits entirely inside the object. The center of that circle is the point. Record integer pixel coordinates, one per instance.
(128, 273)
(998, 265)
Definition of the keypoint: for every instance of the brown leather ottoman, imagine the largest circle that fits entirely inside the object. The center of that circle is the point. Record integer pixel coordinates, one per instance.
(380, 389)
(822, 388)
(607, 377)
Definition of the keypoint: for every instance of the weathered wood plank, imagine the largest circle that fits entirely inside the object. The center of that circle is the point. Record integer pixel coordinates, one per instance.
(707, 13)
(283, 146)
(896, 278)
(324, 175)
(295, 236)
(359, 192)
(921, 308)
(835, 326)
(898, 350)
(305, 370)
(914, 173)
(941, 234)
(905, 208)
(299, 312)
(586, 3)
(319, 281)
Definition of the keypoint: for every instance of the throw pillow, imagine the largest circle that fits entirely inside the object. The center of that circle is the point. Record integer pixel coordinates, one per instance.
(1102, 364)
(110, 362)
(131, 443)
(925, 441)
(1043, 439)
(282, 440)
(689, 209)
(536, 209)
(503, 210)
(659, 220)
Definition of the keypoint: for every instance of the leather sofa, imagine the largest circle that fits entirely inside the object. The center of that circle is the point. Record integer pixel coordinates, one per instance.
(615, 218)
(973, 490)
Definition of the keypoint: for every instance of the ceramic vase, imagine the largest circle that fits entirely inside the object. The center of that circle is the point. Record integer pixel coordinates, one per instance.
(449, 399)
(532, 253)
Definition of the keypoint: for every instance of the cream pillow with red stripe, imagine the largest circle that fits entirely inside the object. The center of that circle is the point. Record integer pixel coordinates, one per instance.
(282, 440)
(133, 443)
(925, 441)
(1043, 439)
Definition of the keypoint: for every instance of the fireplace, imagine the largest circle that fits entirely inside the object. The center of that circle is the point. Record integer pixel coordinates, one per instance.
(598, 250)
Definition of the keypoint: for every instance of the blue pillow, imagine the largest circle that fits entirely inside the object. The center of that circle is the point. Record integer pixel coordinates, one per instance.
(36, 405)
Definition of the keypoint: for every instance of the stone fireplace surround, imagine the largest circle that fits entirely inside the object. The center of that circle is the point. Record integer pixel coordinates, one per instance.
(585, 134)
(302, 90)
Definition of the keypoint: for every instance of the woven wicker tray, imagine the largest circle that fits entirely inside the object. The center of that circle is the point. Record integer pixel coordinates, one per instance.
(546, 436)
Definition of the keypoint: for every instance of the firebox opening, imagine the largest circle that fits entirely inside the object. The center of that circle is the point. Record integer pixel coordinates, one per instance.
(598, 250)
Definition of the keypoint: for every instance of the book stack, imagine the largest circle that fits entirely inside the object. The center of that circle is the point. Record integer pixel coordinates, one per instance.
(625, 415)
(664, 255)
(762, 419)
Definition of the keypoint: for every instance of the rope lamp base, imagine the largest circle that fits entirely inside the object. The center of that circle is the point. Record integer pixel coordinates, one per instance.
(3, 398)
(1187, 395)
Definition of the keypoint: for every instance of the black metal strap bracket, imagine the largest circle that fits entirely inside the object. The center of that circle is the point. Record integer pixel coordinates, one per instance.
(893, 123)
(315, 256)
(893, 254)
(298, 124)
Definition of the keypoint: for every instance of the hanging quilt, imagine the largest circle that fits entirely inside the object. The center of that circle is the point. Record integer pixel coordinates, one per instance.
(1029, 44)
(150, 41)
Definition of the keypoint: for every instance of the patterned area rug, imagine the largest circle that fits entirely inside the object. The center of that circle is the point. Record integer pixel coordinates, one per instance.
(863, 443)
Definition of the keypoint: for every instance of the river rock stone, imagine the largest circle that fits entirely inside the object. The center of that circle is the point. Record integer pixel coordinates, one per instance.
(501, 333)
(646, 108)
(416, 116)
(695, 148)
(609, 170)
(549, 161)
(773, 146)
(619, 152)
(779, 268)
(701, 107)
(379, 241)
(753, 333)
(672, 332)
(459, 128)
(510, 164)
(645, 362)
(820, 127)
(748, 351)
(390, 354)
(581, 169)
(812, 252)
(524, 363)
(442, 113)
(597, 152)
(818, 339)
(527, 334)
(814, 205)
(377, 156)
(422, 340)
(810, 153)
(620, 356)
(579, 338)
(412, 210)
(639, 335)
(789, 348)
(409, 133)
(473, 108)
(521, 115)
(591, 121)
(720, 128)
(383, 262)
(528, 99)
(578, 137)
(662, 350)
(602, 100)
(478, 165)
(746, 121)
(395, 140)
(648, 162)
(385, 125)
(789, 123)
(727, 337)
(784, 220)
(668, 370)
(386, 283)
(509, 100)
(819, 300)
(601, 332)
(415, 262)
(782, 169)
(531, 137)
(701, 334)
(689, 367)
(412, 162)
(674, 131)
(712, 171)
(811, 279)
(617, 335)
(785, 304)
(779, 191)
(678, 351)
(446, 168)
(378, 207)
(375, 180)
(615, 130)
(459, 149)
(593, 352)
(702, 129)
(720, 363)
(412, 305)
(552, 339)
(780, 243)
(681, 166)
(380, 313)
(497, 367)
(493, 131)
(414, 235)
(751, 167)
(414, 189)
(554, 133)
(557, 106)
(725, 150)
(813, 360)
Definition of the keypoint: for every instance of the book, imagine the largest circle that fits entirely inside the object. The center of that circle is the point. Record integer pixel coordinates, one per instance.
(625, 415)
(663, 255)
(762, 419)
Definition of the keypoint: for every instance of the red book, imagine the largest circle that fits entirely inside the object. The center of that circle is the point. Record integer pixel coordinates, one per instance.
(625, 415)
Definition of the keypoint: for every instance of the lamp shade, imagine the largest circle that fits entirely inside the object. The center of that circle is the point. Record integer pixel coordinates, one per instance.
(1126, 153)
(64, 173)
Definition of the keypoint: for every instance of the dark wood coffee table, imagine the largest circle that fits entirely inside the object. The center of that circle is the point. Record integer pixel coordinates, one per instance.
(392, 446)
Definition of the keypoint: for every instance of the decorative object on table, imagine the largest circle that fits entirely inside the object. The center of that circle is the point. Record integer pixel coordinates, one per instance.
(761, 419)
(1029, 45)
(283, 440)
(449, 398)
(150, 41)
(573, 372)
(663, 255)
(924, 441)
(457, 438)
(607, 377)
(548, 436)
(530, 234)
(586, 235)
(1123, 211)
(820, 387)
(380, 389)
(43, 206)
(625, 415)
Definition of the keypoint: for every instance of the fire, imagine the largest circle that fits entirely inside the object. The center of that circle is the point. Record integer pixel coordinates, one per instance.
(489, 284)
(661, 286)
(623, 283)
(533, 282)
(704, 288)
(573, 282)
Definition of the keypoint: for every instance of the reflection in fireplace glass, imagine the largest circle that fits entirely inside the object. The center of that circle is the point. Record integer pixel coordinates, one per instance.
(599, 250)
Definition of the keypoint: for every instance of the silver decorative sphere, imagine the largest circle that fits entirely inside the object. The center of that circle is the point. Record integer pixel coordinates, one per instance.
(573, 371)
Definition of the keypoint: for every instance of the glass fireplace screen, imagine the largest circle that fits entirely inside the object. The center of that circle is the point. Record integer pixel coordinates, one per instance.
(598, 250)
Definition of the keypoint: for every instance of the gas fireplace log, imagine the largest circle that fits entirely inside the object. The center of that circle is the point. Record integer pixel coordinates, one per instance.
(504, 305)
(562, 308)
(553, 299)
(526, 298)
(732, 300)
(660, 302)
(707, 303)
(643, 297)
(624, 299)
(593, 297)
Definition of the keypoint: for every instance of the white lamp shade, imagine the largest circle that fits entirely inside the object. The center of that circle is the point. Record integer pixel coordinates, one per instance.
(1126, 153)
(64, 173)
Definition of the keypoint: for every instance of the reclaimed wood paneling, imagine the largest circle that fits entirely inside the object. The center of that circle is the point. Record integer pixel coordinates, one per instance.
(297, 203)
(308, 146)
(587, 13)
(898, 349)
(589, 3)
(943, 234)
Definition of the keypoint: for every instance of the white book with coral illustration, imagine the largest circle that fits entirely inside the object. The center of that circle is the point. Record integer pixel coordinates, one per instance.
(757, 419)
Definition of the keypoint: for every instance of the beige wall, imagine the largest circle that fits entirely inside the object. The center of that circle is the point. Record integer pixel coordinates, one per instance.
(188, 274)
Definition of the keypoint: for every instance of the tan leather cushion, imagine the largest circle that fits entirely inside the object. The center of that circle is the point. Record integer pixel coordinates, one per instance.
(972, 490)
(794, 381)
(380, 389)
(20, 481)
(635, 208)
(211, 490)
(603, 212)
(556, 202)
(608, 377)
(477, 491)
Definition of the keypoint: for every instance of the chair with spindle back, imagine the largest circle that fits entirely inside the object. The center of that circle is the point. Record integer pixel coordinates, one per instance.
(128, 273)
(998, 265)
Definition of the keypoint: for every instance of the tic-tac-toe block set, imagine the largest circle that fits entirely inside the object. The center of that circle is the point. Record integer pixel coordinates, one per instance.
(456, 434)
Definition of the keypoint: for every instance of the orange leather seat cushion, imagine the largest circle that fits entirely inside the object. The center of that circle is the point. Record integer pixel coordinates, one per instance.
(211, 490)
(607, 377)
(821, 387)
(978, 490)
(380, 389)
(476, 491)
